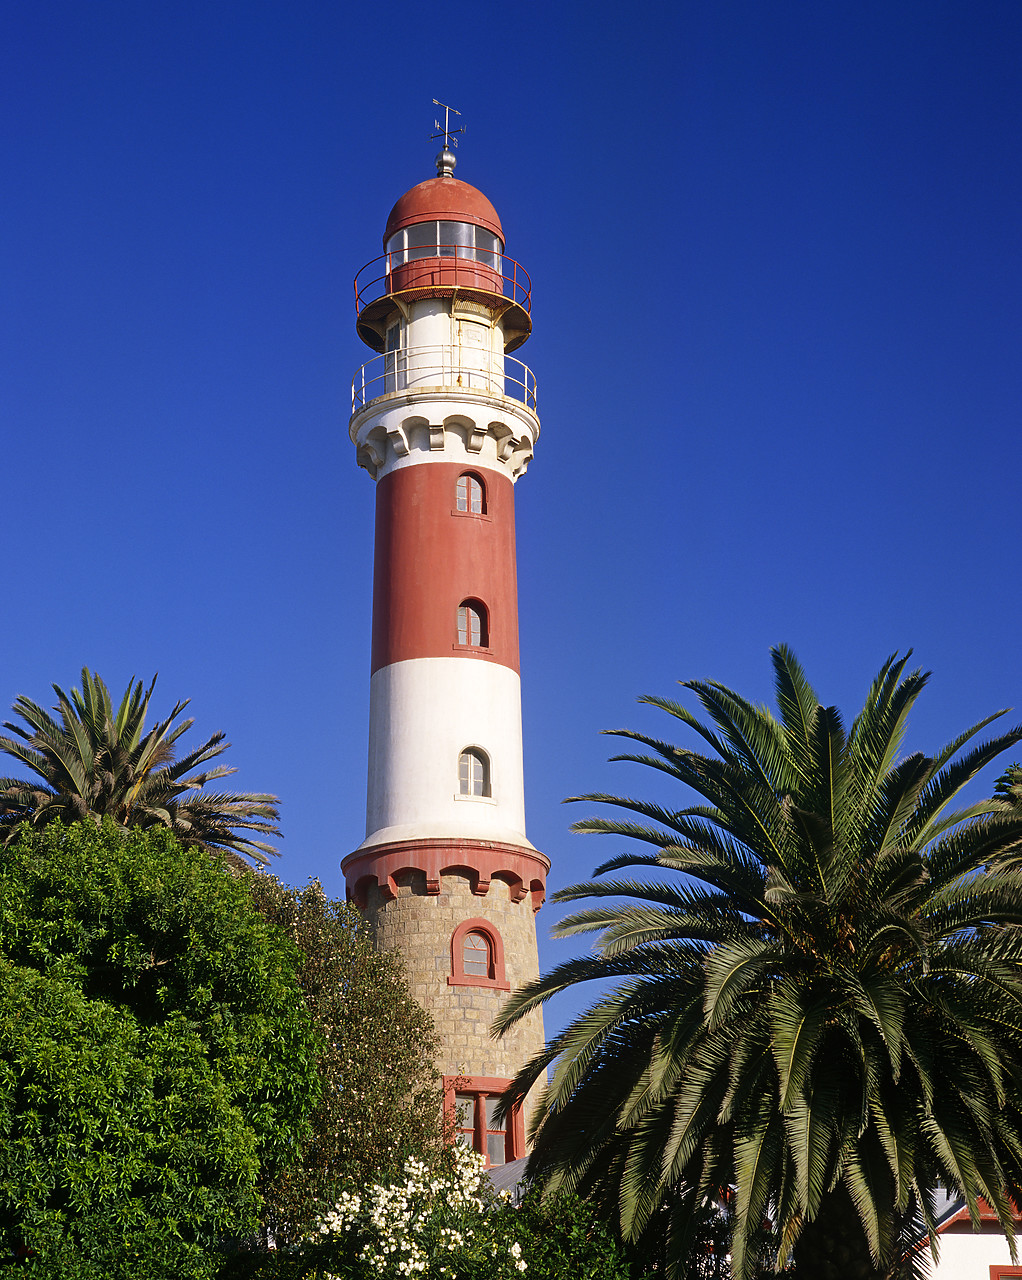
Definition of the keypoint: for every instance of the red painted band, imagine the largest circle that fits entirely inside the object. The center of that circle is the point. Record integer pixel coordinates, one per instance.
(430, 558)
(523, 870)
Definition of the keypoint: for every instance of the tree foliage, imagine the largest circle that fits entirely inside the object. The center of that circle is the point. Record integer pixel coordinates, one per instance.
(92, 762)
(156, 1056)
(563, 1235)
(815, 1003)
(381, 1099)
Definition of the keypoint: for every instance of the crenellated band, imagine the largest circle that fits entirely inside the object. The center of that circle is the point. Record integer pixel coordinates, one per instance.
(523, 870)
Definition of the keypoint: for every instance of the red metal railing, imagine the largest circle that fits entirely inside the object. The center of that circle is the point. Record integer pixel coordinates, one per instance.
(455, 266)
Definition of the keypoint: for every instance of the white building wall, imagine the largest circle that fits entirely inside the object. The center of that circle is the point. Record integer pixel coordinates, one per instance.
(968, 1255)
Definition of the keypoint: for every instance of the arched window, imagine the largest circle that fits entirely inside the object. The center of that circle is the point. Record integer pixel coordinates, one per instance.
(474, 772)
(471, 495)
(473, 625)
(477, 956)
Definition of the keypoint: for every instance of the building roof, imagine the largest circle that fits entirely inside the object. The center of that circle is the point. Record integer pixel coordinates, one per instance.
(509, 1177)
(956, 1211)
(443, 199)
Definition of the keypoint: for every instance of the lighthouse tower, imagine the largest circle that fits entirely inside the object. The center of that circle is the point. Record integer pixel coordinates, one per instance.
(444, 420)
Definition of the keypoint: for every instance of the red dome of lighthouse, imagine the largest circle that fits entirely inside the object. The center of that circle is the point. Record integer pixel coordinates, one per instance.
(443, 199)
(443, 239)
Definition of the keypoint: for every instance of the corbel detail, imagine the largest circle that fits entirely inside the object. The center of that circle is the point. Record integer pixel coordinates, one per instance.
(398, 440)
(506, 447)
(369, 457)
(501, 433)
(521, 459)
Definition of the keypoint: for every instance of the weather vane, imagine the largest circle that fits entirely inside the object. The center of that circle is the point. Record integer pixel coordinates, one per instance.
(447, 133)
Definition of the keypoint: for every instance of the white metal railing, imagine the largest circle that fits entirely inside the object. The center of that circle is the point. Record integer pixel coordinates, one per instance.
(462, 368)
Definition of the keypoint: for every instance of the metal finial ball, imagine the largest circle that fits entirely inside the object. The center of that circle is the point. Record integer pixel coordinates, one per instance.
(445, 162)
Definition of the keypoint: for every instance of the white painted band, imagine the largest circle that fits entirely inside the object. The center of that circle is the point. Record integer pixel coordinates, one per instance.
(423, 713)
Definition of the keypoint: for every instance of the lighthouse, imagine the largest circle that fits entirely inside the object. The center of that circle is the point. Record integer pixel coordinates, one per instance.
(444, 421)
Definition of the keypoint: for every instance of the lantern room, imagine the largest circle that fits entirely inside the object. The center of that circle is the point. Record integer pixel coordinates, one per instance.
(443, 240)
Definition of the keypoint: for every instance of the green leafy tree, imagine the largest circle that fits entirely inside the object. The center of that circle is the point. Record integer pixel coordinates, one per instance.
(92, 762)
(815, 1003)
(381, 1099)
(157, 1060)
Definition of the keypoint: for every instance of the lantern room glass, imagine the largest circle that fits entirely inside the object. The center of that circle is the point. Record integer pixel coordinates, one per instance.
(445, 239)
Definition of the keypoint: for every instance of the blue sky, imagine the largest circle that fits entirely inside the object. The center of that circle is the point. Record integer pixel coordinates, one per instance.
(777, 303)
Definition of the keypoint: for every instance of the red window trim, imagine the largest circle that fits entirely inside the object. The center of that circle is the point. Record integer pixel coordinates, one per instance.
(1002, 1271)
(458, 977)
(485, 1087)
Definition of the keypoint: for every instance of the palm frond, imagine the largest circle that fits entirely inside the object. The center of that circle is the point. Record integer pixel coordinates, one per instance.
(952, 777)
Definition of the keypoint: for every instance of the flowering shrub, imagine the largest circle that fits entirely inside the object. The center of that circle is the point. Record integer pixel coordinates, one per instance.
(445, 1222)
(435, 1222)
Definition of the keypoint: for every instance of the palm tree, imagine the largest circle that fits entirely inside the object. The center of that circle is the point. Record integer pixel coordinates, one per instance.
(814, 1018)
(1009, 785)
(95, 763)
